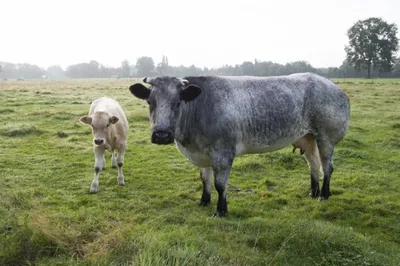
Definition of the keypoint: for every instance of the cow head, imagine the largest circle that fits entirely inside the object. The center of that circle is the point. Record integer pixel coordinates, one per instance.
(100, 122)
(164, 98)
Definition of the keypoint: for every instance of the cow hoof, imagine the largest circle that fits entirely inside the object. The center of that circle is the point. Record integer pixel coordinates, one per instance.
(121, 181)
(94, 188)
(322, 198)
(114, 166)
(219, 214)
(204, 202)
(313, 194)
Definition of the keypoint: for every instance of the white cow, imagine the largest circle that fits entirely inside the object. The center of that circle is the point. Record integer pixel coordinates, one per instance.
(110, 132)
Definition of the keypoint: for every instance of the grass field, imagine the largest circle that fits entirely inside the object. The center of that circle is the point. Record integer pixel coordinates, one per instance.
(48, 217)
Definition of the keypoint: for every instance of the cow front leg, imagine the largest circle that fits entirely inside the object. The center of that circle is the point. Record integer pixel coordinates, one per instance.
(98, 165)
(103, 165)
(205, 175)
(120, 164)
(222, 171)
(113, 160)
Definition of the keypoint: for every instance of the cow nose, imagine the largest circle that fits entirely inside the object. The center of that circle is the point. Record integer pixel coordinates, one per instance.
(163, 134)
(98, 141)
(162, 137)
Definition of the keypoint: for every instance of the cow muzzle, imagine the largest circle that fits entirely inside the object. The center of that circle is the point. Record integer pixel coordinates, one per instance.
(99, 141)
(162, 137)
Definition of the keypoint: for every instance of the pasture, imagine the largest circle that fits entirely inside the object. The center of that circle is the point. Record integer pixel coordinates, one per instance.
(48, 217)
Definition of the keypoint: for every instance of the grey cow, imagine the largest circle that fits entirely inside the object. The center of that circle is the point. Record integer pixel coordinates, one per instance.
(214, 119)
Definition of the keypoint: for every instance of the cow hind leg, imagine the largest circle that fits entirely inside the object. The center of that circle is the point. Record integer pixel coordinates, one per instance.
(206, 175)
(120, 163)
(326, 154)
(308, 147)
(314, 163)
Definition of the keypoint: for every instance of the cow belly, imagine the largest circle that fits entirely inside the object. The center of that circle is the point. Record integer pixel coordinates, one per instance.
(247, 148)
(195, 157)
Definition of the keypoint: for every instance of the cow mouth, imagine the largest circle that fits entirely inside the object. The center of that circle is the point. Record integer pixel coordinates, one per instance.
(163, 142)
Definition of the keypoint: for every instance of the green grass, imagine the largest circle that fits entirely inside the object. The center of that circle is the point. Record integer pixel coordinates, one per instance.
(48, 217)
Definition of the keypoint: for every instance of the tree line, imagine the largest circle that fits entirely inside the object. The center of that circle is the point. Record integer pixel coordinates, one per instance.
(373, 44)
(145, 66)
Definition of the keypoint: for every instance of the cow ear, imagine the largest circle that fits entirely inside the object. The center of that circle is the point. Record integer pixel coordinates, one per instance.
(140, 91)
(190, 93)
(86, 120)
(114, 119)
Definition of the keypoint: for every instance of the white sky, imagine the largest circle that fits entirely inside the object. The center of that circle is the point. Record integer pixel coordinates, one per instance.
(205, 33)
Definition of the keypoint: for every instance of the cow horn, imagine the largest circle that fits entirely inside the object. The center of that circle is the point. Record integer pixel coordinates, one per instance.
(147, 80)
(184, 81)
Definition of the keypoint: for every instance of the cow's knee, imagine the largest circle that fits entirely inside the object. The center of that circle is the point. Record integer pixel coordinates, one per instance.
(120, 176)
(113, 160)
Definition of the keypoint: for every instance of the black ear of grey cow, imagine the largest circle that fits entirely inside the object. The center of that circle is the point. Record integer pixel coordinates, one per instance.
(190, 93)
(140, 91)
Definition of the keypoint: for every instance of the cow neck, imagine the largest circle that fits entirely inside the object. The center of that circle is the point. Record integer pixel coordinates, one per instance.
(110, 136)
(187, 122)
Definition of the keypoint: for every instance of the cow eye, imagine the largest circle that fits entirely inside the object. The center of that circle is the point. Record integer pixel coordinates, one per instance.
(107, 125)
(152, 104)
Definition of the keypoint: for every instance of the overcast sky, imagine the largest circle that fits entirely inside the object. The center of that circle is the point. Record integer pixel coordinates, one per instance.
(204, 33)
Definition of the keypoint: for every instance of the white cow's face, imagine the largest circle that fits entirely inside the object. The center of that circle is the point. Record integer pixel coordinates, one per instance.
(100, 123)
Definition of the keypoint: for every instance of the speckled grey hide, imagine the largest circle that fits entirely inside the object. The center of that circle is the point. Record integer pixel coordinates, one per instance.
(214, 119)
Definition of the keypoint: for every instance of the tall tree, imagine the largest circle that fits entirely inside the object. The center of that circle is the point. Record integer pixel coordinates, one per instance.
(372, 44)
(163, 66)
(93, 68)
(396, 67)
(125, 69)
(145, 66)
(55, 72)
(299, 66)
(84, 70)
(247, 68)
